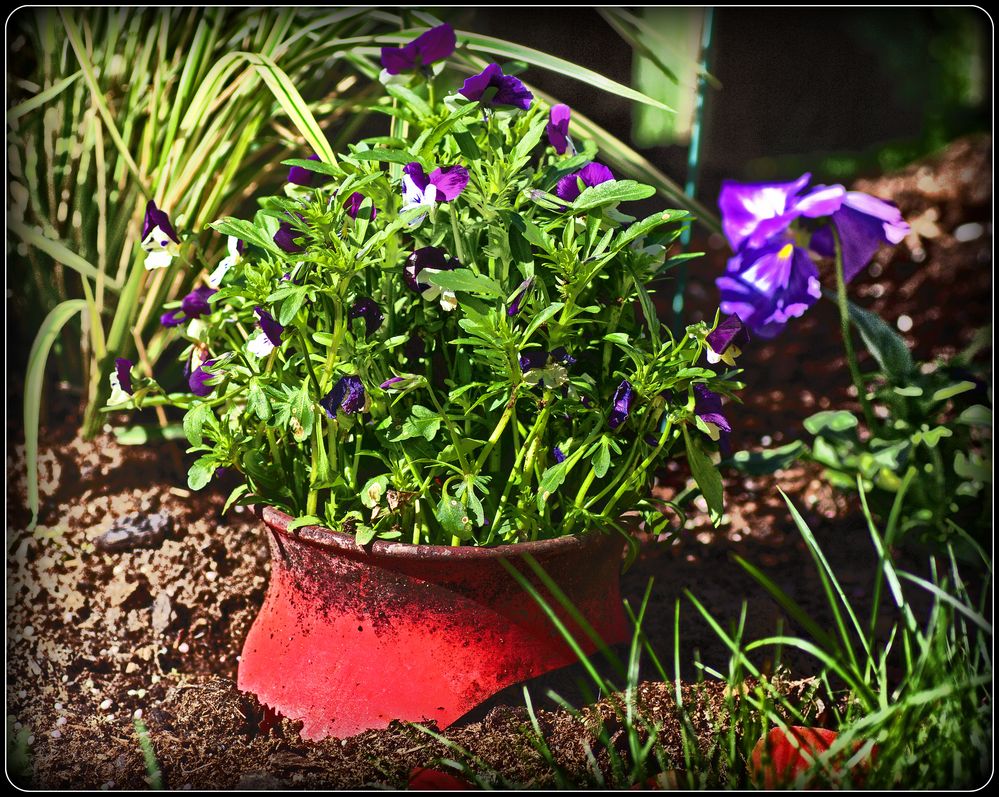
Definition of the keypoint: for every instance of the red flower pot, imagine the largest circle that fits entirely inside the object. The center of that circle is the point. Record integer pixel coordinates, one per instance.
(350, 638)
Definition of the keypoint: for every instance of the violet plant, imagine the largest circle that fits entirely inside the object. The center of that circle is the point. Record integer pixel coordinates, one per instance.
(447, 335)
(927, 425)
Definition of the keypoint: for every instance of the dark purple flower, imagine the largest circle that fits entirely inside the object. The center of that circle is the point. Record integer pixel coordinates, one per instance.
(533, 358)
(432, 257)
(509, 90)
(367, 309)
(156, 218)
(568, 187)
(557, 453)
(199, 377)
(388, 384)
(559, 354)
(766, 287)
(429, 47)
(353, 205)
(172, 318)
(299, 175)
(864, 223)
(708, 407)
(519, 296)
(285, 239)
(271, 328)
(726, 340)
(123, 370)
(448, 182)
(196, 303)
(558, 128)
(624, 396)
(347, 395)
(754, 212)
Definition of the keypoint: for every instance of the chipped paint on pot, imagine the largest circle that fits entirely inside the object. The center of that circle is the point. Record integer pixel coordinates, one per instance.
(350, 638)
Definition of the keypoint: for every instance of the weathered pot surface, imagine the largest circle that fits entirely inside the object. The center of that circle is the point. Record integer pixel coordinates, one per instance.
(350, 638)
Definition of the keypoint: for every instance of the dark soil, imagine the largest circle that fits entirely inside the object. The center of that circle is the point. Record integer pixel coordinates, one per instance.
(97, 638)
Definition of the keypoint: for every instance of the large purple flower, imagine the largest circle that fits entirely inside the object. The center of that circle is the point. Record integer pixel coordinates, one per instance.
(302, 176)
(864, 223)
(347, 395)
(509, 90)
(754, 212)
(192, 306)
(558, 128)
(285, 238)
(429, 47)
(199, 378)
(726, 340)
(768, 286)
(366, 308)
(708, 407)
(572, 185)
(353, 206)
(624, 397)
(447, 181)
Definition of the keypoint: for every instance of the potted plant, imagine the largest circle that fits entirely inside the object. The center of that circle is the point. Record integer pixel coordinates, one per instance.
(427, 359)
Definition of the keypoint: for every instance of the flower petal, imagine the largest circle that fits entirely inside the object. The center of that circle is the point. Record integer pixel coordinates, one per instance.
(302, 176)
(449, 181)
(558, 127)
(624, 396)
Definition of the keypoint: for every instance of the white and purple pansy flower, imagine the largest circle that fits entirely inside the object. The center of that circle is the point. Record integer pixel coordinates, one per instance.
(491, 87)
(299, 175)
(572, 185)
(708, 410)
(863, 223)
(268, 337)
(366, 308)
(235, 254)
(159, 239)
(121, 381)
(547, 368)
(752, 213)
(558, 129)
(420, 190)
(768, 286)
(424, 263)
(725, 341)
(347, 395)
(428, 48)
(624, 397)
(192, 306)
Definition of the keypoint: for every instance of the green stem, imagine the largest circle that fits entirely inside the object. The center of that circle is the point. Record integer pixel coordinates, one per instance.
(844, 324)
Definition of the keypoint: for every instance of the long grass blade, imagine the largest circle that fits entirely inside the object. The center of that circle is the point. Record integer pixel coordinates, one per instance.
(42, 97)
(59, 252)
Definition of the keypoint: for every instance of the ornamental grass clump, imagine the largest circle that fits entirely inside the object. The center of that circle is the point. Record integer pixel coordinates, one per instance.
(447, 335)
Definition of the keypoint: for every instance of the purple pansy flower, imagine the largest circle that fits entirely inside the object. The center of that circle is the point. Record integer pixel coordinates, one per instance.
(123, 370)
(708, 407)
(199, 377)
(558, 455)
(347, 395)
(427, 257)
(509, 90)
(159, 239)
(519, 296)
(420, 191)
(429, 47)
(864, 222)
(285, 238)
(754, 212)
(366, 308)
(353, 205)
(299, 175)
(558, 128)
(158, 219)
(192, 306)
(269, 336)
(568, 187)
(533, 358)
(768, 286)
(624, 396)
(726, 340)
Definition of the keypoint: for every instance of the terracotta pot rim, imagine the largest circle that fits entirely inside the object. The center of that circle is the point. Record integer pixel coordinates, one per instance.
(278, 521)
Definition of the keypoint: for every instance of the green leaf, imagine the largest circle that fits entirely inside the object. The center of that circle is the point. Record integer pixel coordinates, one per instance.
(238, 492)
(464, 279)
(768, 460)
(611, 192)
(930, 437)
(950, 391)
(364, 533)
(246, 231)
(302, 411)
(59, 252)
(453, 517)
(836, 421)
(884, 344)
(422, 423)
(305, 520)
(705, 474)
(552, 479)
(257, 402)
(383, 156)
(194, 421)
(201, 472)
(314, 166)
(601, 459)
(34, 380)
(976, 415)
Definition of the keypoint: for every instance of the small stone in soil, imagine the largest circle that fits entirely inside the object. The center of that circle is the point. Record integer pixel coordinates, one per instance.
(135, 531)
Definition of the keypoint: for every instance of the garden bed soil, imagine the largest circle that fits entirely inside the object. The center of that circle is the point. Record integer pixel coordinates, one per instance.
(97, 638)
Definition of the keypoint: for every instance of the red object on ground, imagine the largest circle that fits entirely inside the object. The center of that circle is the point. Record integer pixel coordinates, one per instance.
(777, 760)
(427, 779)
(350, 638)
